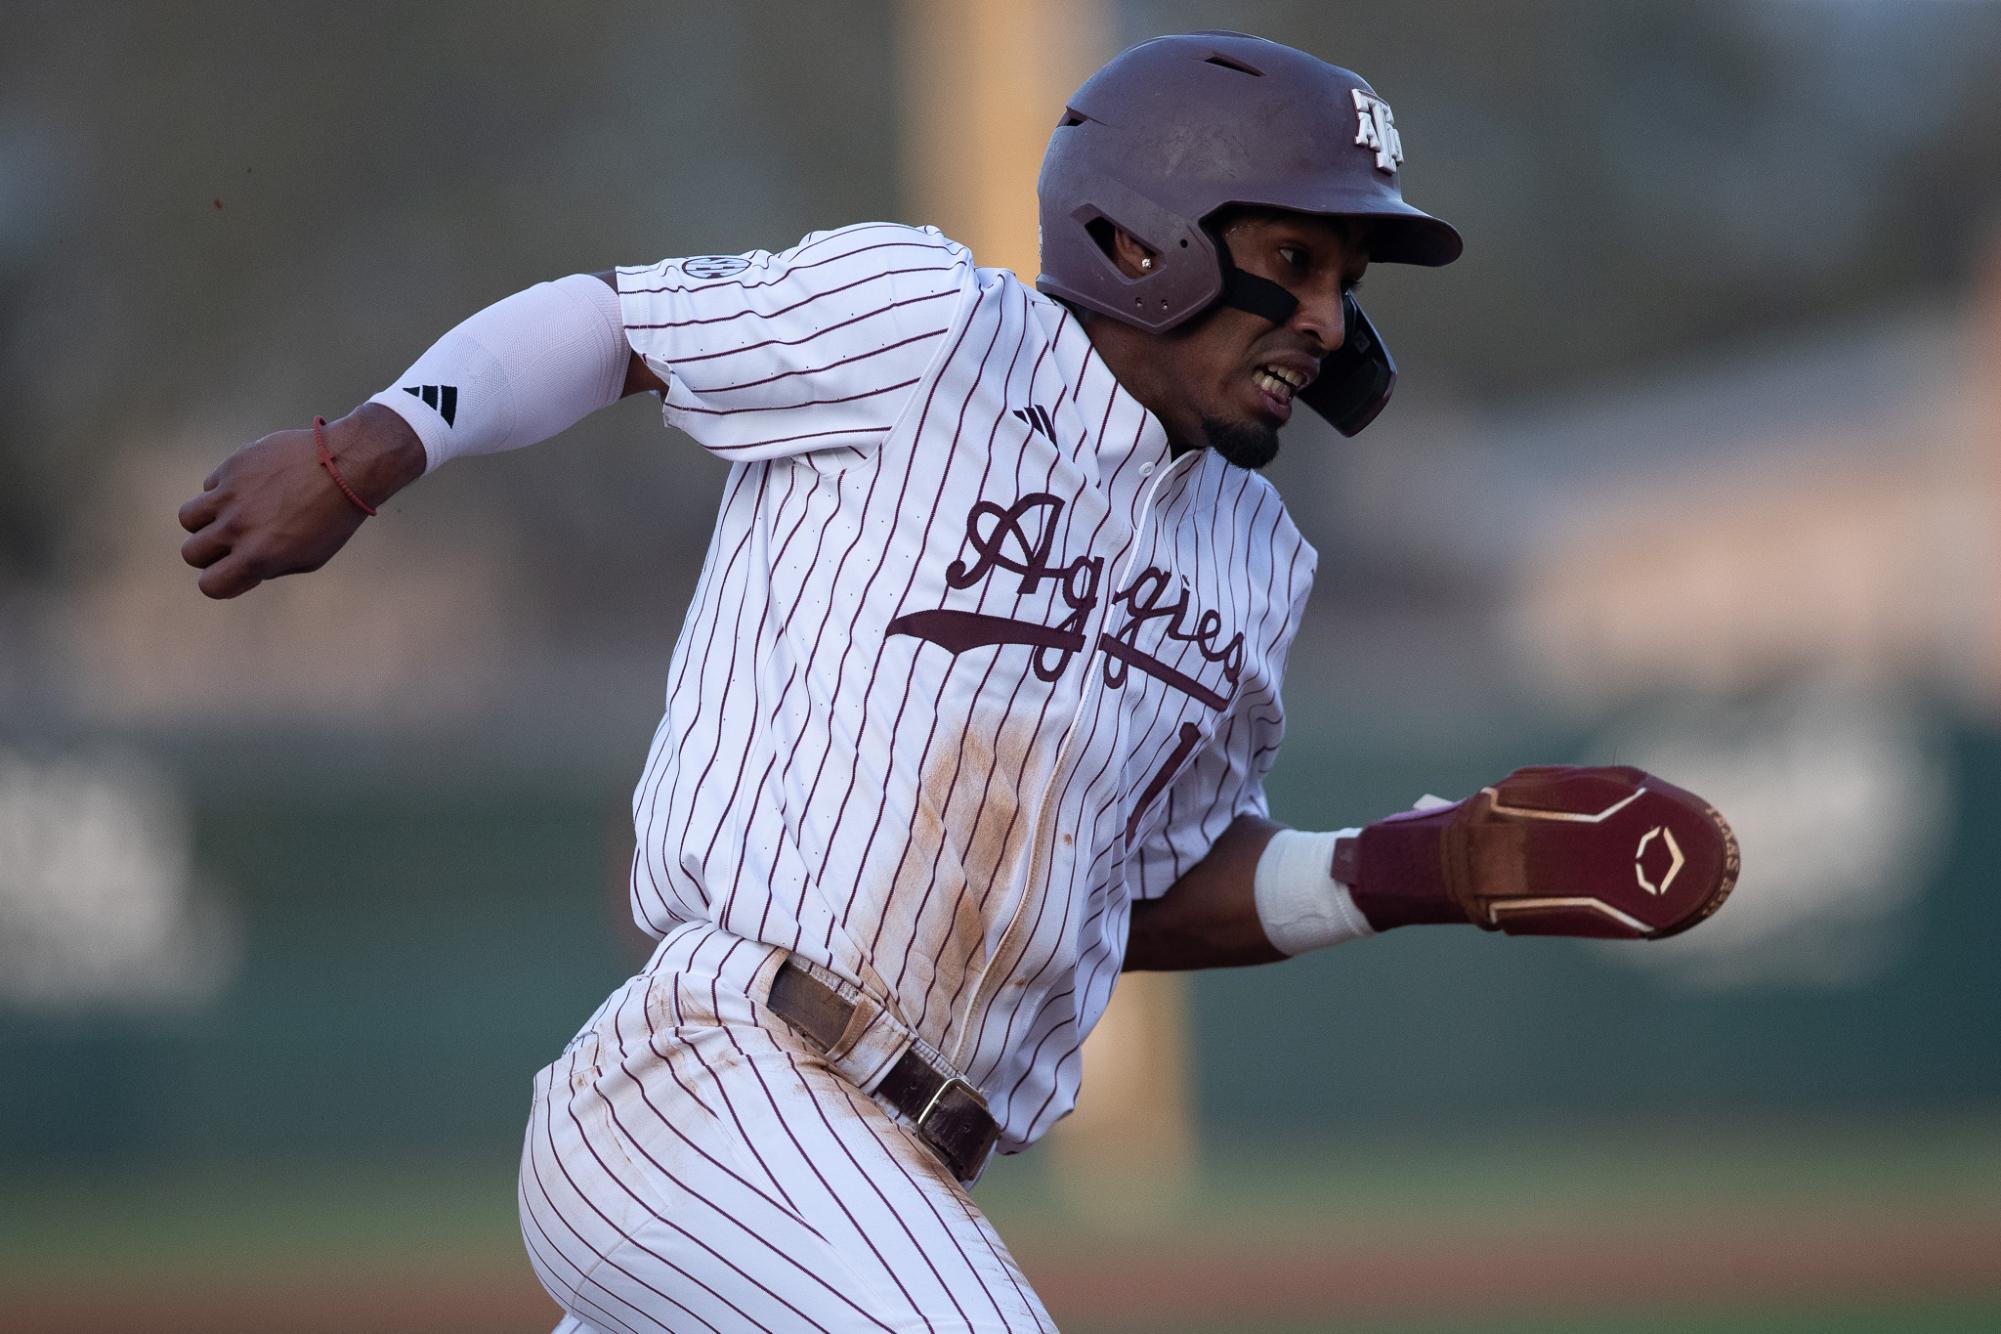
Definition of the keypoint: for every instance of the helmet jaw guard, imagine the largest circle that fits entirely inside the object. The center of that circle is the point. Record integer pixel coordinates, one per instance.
(1173, 130)
(1356, 378)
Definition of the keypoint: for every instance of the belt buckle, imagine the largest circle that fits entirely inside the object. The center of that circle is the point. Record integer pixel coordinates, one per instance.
(931, 1104)
(963, 1161)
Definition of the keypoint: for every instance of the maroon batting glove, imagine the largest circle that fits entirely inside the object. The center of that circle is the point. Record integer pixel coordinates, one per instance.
(1558, 850)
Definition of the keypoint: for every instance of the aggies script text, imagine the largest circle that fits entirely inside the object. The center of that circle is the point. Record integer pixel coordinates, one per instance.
(1018, 539)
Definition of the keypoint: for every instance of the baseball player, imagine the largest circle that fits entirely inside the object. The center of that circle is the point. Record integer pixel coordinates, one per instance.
(977, 692)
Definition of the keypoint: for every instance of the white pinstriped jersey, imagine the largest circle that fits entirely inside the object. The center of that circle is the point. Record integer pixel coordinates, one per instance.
(973, 661)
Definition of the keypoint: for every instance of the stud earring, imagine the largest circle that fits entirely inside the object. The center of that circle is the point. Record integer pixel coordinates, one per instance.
(1146, 263)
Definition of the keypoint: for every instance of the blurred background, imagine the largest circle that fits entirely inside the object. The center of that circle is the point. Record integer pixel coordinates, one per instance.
(1695, 464)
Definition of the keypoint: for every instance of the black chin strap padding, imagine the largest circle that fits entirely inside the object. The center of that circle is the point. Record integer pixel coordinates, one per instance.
(1260, 296)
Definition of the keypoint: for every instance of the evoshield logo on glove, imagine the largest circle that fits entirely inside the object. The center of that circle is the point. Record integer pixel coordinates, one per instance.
(1666, 835)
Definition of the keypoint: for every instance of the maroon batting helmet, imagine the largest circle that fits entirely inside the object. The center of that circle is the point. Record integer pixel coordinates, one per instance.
(1177, 128)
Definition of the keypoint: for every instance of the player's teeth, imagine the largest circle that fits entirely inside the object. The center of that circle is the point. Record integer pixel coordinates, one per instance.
(1271, 384)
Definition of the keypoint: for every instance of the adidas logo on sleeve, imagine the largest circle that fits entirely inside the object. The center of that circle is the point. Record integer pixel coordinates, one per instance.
(442, 397)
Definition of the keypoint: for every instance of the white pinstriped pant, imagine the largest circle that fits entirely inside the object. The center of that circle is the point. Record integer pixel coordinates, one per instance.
(691, 1164)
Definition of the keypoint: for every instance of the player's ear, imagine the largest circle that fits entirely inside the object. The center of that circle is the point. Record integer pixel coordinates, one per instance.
(1134, 259)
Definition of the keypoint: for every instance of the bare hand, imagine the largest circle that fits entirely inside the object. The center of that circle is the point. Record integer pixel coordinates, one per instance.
(270, 509)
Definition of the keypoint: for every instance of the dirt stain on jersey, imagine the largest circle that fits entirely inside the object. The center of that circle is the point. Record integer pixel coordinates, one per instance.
(968, 842)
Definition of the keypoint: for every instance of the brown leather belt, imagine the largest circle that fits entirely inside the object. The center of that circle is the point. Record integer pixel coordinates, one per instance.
(948, 1113)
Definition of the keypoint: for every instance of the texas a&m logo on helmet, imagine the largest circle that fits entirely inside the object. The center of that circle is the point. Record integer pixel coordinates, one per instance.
(1378, 130)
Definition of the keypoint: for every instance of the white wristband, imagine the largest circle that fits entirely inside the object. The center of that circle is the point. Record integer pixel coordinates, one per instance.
(518, 372)
(1300, 903)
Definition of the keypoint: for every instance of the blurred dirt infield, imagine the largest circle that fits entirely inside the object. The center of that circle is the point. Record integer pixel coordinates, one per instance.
(1788, 1228)
(1448, 1279)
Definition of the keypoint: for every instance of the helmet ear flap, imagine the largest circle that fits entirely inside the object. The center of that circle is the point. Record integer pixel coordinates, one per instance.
(1184, 279)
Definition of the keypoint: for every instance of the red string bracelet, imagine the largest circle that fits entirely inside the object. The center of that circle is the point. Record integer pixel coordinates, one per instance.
(326, 461)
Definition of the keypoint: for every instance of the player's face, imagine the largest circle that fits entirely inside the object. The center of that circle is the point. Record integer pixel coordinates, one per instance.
(1236, 373)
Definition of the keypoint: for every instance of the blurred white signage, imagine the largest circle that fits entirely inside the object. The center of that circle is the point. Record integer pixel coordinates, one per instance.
(100, 903)
(1841, 805)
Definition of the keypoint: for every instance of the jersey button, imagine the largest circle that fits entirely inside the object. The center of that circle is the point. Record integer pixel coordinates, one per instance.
(1146, 470)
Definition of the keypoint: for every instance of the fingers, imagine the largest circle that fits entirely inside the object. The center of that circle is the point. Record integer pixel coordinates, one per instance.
(206, 547)
(210, 547)
(200, 511)
(229, 577)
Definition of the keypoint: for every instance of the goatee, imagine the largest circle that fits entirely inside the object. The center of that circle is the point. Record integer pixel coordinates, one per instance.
(1246, 446)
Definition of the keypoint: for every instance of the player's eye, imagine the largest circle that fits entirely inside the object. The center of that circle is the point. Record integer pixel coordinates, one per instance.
(1294, 257)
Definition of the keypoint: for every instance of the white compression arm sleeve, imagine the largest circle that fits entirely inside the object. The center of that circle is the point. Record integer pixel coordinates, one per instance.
(1300, 903)
(521, 370)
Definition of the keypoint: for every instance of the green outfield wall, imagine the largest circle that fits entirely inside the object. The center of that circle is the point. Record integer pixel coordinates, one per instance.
(404, 953)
